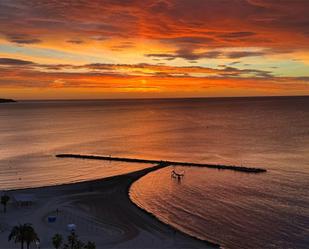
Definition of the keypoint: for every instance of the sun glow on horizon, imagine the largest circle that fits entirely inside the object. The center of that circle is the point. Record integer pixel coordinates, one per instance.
(167, 48)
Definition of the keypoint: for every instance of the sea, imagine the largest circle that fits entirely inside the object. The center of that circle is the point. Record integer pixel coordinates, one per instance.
(234, 209)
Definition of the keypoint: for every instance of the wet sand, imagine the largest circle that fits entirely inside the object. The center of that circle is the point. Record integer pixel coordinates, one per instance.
(102, 211)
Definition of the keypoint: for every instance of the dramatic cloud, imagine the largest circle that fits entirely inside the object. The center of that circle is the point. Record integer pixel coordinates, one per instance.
(116, 44)
(182, 23)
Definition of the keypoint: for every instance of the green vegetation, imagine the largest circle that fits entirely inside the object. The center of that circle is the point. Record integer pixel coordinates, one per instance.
(4, 201)
(23, 234)
(90, 245)
(57, 240)
(72, 242)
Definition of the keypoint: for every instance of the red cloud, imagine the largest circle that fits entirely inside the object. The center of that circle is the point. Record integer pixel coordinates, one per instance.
(183, 23)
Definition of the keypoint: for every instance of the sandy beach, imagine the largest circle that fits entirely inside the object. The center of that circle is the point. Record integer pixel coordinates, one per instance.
(102, 212)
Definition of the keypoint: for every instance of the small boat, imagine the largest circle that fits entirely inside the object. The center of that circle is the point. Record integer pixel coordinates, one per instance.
(174, 174)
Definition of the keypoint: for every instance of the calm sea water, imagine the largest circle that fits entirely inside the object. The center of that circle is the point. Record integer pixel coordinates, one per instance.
(234, 209)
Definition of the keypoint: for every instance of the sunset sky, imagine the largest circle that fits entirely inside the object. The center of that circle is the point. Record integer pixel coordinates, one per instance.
(52, 49)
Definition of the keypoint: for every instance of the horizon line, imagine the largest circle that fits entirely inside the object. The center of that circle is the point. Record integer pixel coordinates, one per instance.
(161, 98)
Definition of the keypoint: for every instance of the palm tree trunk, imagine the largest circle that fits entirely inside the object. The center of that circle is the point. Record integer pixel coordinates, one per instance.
(28, 245)
(22, 244)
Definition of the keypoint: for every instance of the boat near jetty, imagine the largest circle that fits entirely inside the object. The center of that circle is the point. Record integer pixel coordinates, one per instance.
(177, 175)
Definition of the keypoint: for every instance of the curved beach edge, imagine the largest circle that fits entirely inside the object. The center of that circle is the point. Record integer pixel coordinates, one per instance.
(207, 242)
(107, 199)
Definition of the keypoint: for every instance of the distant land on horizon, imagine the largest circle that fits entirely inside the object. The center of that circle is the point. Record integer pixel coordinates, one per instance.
(7, 100)
(166, 98)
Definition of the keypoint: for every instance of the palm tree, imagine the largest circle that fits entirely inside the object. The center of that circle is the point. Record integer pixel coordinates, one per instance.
(57, 240)
(65, 246)
(23, 233)
(17, 233)
(90, 245)
(72, 239)
(4, 201)
(79, 244)
(30, 235)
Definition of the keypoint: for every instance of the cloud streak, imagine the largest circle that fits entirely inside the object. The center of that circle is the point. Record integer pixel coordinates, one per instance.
(22, 39)
(213, 54)
(142, 69)
(14, 62)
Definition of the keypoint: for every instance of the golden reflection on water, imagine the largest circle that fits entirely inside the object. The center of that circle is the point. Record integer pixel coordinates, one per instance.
(48, 170)
(236, 210)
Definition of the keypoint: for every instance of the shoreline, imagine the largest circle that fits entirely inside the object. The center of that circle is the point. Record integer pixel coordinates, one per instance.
(208, 242)
(103, 203)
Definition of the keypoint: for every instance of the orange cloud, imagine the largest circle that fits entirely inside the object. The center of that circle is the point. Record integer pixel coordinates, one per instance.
(182, 24)
(116, 46)
(145, 79)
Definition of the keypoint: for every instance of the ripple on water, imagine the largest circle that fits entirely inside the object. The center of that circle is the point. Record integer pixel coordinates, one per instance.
(234, 209)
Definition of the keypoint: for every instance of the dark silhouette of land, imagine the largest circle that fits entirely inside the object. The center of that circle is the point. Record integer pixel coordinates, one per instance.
(7, 101)
(166, 163)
